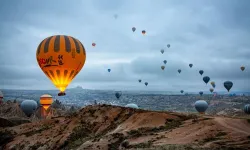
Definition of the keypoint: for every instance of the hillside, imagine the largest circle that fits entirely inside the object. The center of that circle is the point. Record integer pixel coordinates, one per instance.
(113, 127)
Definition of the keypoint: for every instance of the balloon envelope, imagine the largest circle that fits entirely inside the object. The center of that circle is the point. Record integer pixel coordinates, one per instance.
(228, 85)
(162, 51)
(247, 109)
(201, 72)
(242, 68)
(143, 32)
(190, 65)
(206, 79)
(168, 45)
(118, 94)
(181, 91)
(164, 61)
(179, 70)
(132, 105)
(211, 90)
(162, 67)
(146, 83)
(109, 70)
(139, 80)
(46, 100)
(93, 44)
(61, 58)
(133, 29)
(201, 106)
(29, 107)
(201, 93)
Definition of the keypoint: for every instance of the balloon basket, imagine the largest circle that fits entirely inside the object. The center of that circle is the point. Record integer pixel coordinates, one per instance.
(61, 94)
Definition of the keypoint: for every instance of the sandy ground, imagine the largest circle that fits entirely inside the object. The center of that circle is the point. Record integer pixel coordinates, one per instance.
(113, 127)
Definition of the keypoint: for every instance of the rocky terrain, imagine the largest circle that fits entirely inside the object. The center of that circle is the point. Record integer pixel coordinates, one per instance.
(114, 127)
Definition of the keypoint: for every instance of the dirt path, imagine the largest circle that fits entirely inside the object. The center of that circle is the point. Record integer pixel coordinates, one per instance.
(235, 125)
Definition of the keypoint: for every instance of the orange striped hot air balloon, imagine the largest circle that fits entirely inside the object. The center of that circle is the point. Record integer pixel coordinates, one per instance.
(143, 32)
(61, 58)
(46, 100)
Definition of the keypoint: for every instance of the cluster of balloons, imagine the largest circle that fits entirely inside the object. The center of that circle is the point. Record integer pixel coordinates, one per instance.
(30, 106)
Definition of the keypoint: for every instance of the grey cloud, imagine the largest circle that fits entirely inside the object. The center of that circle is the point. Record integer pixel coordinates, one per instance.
(213, 35)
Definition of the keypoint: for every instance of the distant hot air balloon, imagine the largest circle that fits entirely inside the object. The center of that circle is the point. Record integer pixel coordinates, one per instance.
(132, 105)
(118, 94)
(201, 93)
(115, 16)
(133, 29)
(211, 90)
(143, 32)
(162, 51)
(206, 79)
(181, 91)
(139, 80)
(109, 70)
(201, 106)
(164, 61)
(228, 85)
(242, 68)
(61, 58)
(1, 97)
(46, 100)
(190, 65)
(179, 70)
(213, 84)
(93, 44)
(247, 109)
(28, 107)
(168, 45)
(201, 72)
(146, 83)
(162, 67)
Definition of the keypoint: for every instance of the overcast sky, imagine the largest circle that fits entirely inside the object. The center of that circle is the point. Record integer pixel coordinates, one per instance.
(213, 35)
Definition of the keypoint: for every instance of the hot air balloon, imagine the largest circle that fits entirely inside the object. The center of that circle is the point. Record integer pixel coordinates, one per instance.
(201, 72)
(133, 29)
(118, 94)
(132, 105)
(139, 80)
(206, 79)
(164, 61)
(143, 32)
(181, 91)
(201, 93)
(179, 70)
(61, 58)
(109, 70)
(247, 109)
(28, 107)
(213, 84)
(168, 45)
(46, 100)
(190, 65)
(201, 106)
(211, 90)
(162, 67)
(242, 68)
(146, 83)
(228, 85)
(1, 97)
(162, 51)
(115, 16)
